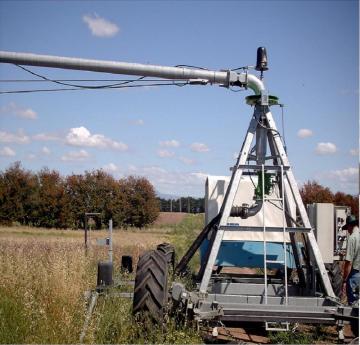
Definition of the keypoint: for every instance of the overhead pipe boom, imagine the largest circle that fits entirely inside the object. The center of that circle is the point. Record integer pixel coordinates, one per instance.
(224, 78)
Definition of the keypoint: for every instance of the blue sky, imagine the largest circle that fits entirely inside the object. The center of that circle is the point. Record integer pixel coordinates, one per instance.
(176, 136)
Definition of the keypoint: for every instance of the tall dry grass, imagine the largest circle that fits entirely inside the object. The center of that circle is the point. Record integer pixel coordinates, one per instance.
(46, 280)
(44, 275)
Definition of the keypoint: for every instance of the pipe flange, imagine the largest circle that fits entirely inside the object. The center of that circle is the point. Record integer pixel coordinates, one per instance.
(256, 99)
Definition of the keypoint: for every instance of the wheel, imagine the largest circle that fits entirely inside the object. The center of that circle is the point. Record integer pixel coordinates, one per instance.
(335, 276)
(354, 324)
(151, 285)
(169, 251)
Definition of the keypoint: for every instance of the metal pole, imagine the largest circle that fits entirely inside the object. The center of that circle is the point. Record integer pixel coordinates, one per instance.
(94, 296)
(170, 205)
(180, 205)
(85, 234)
(110, 241)
(225, 78)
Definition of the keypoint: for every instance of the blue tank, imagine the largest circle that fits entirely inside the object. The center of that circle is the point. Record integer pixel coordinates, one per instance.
(249, 254)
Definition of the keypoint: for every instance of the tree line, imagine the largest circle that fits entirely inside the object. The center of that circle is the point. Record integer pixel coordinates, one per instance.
(47, 199)
(187, 205)
(312, 192)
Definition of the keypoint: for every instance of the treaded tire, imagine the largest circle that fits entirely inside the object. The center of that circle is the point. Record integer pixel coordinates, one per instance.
(335, 276)
(169, 252)
(354, 324)
(151, 285)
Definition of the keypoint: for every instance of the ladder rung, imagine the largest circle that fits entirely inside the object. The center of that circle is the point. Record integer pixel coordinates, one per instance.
(275, 261)
(266, 167)
(268, 328)
(273, 199)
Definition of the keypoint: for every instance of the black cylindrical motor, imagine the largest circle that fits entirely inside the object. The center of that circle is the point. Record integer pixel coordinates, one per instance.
(261, 60)
(104, 276)
(127, 263)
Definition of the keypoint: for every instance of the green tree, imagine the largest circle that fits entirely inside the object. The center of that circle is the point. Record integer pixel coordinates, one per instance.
(75, 201)
(96, 191)
(18, 195)
(142, 205)
(50, 206)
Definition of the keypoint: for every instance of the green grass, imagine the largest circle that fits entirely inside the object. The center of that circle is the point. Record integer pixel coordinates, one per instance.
(14, 325)
(309, 334)
(115, 324)
(183, 235)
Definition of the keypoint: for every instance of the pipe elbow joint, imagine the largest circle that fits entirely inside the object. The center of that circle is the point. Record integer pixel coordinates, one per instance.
(245, 211)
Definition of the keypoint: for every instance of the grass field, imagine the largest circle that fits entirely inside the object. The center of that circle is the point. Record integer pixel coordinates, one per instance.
(45, 274)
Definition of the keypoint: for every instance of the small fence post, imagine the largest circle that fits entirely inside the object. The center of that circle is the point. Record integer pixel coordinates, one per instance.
(110, 240)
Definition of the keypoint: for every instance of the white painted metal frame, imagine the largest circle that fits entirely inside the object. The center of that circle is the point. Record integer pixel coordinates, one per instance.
(295, 195)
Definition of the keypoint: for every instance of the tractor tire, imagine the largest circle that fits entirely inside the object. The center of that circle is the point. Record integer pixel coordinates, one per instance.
(169, 252)
(151, 285)
(335, 276)
(354, 323)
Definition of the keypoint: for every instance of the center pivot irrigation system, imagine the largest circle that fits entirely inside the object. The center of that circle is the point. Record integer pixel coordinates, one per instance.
(255, 218)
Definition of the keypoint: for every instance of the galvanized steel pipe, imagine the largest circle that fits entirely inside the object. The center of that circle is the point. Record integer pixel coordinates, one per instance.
(116, 67)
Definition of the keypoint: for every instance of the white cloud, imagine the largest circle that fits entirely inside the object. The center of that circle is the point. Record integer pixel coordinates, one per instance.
(100, 27)
(45, 137)
(18, 138)
(165, 153)
(81, 136)
(345, 175)
(172, 182)
(199, 147)
(304, 133)
(19, 111)
(354, 152)
(111, 168)
(187, 161)
(75, 156)
(325, 148)
(138, 122)
(346, 180)
(199, 175)
(45, 150)
(31, 156)
(7, 152)
(169, 143)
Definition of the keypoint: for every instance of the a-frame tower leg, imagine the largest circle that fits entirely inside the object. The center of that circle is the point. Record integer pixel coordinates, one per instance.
(229, 199)
(263, 113)
(318, 261)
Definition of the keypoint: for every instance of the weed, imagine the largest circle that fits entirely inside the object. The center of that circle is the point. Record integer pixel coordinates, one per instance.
(306, 335)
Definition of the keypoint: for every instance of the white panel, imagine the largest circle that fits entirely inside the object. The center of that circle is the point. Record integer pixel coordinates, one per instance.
(322, 219)
(215, 189)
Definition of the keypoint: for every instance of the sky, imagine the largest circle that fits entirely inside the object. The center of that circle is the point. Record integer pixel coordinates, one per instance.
(176, 136)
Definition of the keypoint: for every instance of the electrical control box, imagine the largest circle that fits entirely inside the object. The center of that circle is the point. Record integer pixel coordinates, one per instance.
(321, 216)
(341, 212)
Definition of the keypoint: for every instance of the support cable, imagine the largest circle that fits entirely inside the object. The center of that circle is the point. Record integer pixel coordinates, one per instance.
(86, 88)
(75, 85)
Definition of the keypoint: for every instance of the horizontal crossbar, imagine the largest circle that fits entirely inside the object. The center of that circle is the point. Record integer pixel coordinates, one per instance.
(237, 227)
